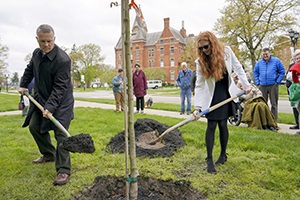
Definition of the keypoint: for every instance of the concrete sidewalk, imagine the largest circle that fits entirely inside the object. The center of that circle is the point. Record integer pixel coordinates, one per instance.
(284, 128)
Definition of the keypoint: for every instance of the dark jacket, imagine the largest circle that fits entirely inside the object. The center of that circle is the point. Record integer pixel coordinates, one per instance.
(53, 87)
(139, 84)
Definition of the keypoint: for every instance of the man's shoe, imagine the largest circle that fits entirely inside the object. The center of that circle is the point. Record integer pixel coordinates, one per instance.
(294, 127)
(61, 179)
(181, 113)
(298, 133)
(43, 159)
(188, 113)
(272, 128)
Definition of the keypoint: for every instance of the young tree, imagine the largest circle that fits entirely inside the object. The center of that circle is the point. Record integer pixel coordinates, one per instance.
(253, 23)
(3, 56)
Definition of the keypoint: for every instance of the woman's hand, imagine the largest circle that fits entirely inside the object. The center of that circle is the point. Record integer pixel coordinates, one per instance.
(195, 114)
(248, 90)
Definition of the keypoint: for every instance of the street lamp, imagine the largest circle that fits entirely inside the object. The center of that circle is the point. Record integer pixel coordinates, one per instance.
(6, 76)
(294, 35)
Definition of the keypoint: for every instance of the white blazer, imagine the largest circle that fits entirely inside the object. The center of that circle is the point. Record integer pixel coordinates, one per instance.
(205, 88)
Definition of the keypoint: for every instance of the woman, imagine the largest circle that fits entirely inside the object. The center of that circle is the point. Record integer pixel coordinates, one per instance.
(213, 85)
(139, 87)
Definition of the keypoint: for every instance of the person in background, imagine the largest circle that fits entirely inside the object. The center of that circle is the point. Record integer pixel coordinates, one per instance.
(289, 81)
(213, 85)
(139, 88)
(268, 74)
(294, 89)
(184, 82)
(50, 67)
(118, 90)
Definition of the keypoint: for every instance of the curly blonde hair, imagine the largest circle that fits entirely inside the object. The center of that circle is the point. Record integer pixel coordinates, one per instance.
(212, 65)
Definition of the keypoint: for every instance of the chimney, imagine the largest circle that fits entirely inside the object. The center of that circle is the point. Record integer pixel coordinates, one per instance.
(182, 30)
(166, 23)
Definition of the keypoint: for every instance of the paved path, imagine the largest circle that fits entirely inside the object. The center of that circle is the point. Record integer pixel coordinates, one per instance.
(284, 128)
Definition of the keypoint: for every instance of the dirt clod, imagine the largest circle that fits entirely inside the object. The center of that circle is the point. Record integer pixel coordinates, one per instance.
(82, 143)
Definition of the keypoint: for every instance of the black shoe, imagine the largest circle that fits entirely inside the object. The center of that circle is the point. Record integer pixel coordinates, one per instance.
(272, 128)
(210, 166)
(264, 127)
(294, 127)
(221, 160)
(297, 133)
(181, 113)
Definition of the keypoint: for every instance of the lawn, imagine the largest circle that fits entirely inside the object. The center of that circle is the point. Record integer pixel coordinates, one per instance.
(261, 164)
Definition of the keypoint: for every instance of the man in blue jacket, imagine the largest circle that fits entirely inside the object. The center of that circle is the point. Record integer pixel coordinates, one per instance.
(184, 82)
(268, 73)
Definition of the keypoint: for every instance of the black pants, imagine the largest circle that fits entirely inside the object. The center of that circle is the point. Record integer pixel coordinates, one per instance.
(140, 103)
(43, 141)
(210, 136)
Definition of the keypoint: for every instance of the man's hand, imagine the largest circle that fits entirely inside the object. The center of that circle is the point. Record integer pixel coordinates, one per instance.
(46, 113)
(23, 90)
(248, 90)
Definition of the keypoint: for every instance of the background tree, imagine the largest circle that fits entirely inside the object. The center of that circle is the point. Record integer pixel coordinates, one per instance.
(253, 24)
(4, 50)
(15, 78)
(28, 58)
(155, 74)
(190, 53)
(86, 60)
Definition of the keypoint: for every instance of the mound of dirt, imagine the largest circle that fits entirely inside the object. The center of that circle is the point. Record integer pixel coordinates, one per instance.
(145, 129)
(110, 188)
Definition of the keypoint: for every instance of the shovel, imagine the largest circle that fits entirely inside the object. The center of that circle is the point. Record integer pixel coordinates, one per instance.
(82, 143)
(192, 118)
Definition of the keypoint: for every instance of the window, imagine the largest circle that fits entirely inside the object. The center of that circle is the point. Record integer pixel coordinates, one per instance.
(161, 51)
(171, 40)
(172, 62)
(149, 63)
(172, 50)
(161, 62)
(152, 63)
(137, 53)
(119, 55)
(119, 66)
(149, 52)
(152, 51)
(161, 41)
(172, 75)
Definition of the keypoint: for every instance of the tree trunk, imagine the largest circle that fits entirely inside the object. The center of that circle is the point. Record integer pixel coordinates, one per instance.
(133, 170)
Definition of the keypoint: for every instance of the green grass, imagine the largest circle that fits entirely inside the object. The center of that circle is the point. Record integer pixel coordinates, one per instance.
(9, 102)
(261, 164)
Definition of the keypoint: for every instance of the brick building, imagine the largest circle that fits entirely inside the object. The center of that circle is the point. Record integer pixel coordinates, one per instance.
(161, 50)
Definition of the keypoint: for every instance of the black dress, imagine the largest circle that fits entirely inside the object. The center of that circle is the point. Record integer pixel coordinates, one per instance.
(221, 93)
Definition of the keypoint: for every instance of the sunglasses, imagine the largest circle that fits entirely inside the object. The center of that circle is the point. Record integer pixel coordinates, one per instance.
(203, 47)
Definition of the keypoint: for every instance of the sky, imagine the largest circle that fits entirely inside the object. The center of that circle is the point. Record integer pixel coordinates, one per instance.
(93, 21)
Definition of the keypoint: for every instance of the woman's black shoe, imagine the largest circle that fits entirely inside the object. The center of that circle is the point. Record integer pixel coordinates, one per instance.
(221, 160)
(210, 166)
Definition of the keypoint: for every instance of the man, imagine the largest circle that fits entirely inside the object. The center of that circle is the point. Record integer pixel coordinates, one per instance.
(184, 82)
(118, 90)
(50, 67)
(268, 73)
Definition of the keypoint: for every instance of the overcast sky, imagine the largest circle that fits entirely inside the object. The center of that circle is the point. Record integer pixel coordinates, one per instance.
(93, 21)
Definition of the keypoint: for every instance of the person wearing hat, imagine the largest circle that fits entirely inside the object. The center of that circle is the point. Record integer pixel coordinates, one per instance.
(118, 90)
(289, 83)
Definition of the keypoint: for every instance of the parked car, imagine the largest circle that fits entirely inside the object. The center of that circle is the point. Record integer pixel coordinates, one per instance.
(154, 84)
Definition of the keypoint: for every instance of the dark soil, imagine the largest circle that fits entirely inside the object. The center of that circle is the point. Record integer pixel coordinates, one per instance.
(110, 188)
(145, 130)
(82, 143)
